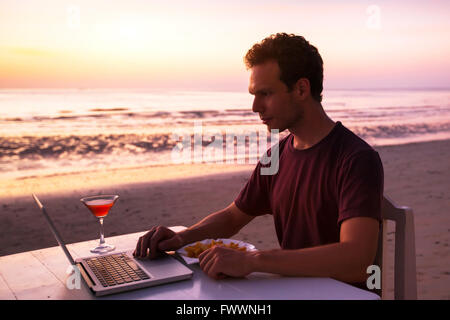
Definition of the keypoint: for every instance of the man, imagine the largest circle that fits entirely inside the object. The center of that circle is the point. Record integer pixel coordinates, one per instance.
(326, 196)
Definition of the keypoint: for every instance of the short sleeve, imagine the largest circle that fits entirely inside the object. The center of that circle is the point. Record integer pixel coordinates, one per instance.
(254, 197)
(360, 188)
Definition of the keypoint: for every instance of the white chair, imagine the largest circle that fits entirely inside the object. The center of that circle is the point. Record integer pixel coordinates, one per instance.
(405, 281)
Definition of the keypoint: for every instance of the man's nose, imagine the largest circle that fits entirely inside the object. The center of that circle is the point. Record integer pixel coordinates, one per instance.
(257, 105)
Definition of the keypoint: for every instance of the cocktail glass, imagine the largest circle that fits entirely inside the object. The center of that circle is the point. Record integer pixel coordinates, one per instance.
(100, 206)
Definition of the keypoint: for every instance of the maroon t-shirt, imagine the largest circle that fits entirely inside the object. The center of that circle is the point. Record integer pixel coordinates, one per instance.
(315, 189)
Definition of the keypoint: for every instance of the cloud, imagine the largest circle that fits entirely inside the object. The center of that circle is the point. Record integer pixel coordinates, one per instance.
(24, 51)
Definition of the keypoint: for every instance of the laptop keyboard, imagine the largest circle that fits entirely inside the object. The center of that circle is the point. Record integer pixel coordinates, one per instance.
(116, 269)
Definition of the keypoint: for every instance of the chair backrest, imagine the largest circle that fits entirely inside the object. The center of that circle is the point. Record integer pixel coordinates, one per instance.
(405, 281)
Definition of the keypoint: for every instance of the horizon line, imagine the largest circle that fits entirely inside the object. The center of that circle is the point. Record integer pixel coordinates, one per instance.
(209, 89)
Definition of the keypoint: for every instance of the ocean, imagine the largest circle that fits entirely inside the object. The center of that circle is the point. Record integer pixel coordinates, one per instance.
(53, 131)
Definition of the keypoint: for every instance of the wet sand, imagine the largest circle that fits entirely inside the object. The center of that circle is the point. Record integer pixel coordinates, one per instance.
(416, 175)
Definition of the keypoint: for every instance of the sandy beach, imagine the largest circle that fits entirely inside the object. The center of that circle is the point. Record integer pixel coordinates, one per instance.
(416, 175)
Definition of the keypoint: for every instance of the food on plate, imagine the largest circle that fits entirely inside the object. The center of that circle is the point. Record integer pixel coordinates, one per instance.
(195, 250)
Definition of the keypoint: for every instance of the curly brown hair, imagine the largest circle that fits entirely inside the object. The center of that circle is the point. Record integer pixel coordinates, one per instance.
(296, 59)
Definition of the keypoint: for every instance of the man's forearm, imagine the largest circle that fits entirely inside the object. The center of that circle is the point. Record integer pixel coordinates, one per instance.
(341, 261)
(217, 225)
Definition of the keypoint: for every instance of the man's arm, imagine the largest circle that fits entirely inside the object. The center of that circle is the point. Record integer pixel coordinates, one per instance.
(346, 260)
(221, 224)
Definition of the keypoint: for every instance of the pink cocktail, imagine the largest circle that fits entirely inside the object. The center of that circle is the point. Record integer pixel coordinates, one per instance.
(100, 206)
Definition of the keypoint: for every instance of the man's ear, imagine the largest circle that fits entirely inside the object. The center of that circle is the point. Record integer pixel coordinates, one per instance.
(303, 88)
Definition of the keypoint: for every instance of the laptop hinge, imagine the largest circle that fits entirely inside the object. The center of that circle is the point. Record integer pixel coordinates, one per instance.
(85, 276)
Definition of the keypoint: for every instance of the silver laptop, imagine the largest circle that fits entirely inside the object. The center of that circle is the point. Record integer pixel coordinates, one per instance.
(120, 271)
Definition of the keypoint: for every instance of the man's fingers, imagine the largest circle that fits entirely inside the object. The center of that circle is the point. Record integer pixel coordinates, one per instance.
(204, 257)
(212, 269)
(145, 243)
(137, 251)
(157, 236)
(214, 272)
(142, 244)
(152, 240)
(206, 263)
(138, 247)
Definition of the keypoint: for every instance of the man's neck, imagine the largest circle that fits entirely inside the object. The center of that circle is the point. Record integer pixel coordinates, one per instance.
(312, 128)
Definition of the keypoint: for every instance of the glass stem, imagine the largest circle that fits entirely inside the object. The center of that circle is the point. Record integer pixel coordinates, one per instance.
(102, 237)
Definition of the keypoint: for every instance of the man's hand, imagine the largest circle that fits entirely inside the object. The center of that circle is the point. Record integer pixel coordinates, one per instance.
(220, 262)
(158, 240)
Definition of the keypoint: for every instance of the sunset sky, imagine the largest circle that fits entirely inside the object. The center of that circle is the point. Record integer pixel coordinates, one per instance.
(200, 45)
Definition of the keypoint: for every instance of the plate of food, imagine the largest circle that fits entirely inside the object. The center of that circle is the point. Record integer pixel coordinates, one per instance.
(191, 251)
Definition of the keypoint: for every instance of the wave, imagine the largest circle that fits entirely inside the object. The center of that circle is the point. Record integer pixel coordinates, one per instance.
(12, 119)
(38, 147)
(402, 130)
(124, 113)
(108, 109)
(66, 146)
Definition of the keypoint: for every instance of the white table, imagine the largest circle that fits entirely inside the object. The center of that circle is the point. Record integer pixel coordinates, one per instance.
(42, 274)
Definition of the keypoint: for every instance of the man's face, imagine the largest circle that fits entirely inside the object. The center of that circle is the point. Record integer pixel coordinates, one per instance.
(276, 106)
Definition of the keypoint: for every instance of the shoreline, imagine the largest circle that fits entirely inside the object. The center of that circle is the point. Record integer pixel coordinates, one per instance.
(37, 156)
(417, 175)
(19, 186)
